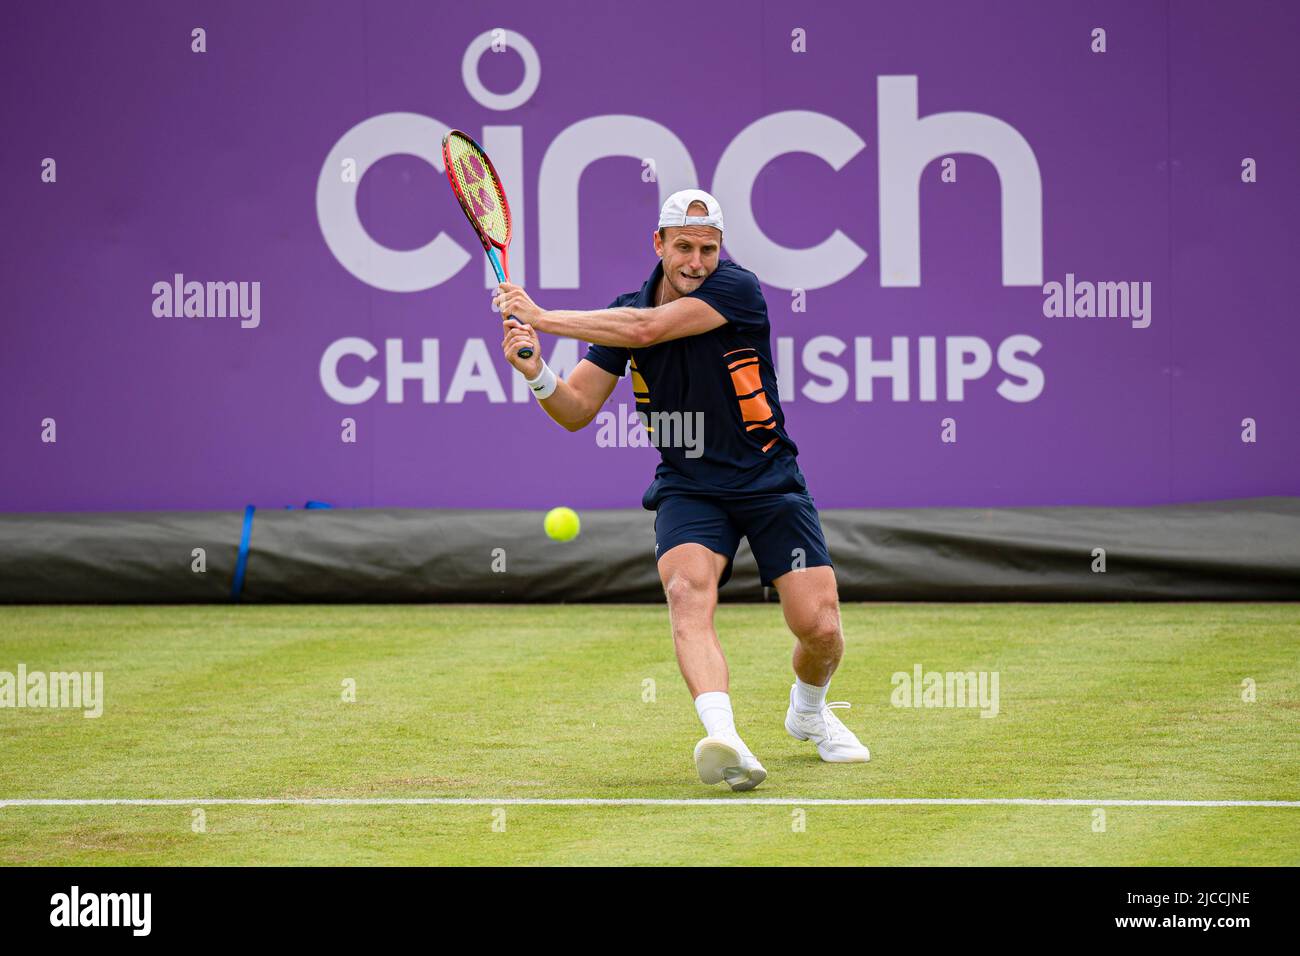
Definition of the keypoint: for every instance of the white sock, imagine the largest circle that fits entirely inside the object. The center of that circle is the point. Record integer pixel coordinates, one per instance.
(714, 708)
(808, 698)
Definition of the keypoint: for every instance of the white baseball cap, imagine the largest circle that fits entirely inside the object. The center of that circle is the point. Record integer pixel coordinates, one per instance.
(674, 211)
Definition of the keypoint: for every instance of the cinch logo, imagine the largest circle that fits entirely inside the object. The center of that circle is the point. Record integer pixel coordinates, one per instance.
(907, 144)
(103, 909)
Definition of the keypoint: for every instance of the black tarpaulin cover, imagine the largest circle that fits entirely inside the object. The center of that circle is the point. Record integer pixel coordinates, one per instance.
(1245, 549)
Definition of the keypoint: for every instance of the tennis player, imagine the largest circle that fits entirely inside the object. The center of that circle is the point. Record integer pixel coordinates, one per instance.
(698, 343)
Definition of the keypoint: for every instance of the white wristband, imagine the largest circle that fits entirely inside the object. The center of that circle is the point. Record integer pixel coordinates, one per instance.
(545, 384)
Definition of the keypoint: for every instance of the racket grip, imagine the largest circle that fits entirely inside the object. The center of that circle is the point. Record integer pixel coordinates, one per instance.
(525, 352)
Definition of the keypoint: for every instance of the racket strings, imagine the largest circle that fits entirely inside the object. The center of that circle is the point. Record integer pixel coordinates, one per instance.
(480, 188)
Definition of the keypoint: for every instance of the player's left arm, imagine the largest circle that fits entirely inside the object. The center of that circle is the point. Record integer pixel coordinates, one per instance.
(624, 327)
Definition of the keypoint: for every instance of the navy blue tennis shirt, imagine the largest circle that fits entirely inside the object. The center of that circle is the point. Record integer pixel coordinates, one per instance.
(726, 379)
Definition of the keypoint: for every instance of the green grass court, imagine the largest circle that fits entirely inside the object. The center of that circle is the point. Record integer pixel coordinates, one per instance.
(1132, 701)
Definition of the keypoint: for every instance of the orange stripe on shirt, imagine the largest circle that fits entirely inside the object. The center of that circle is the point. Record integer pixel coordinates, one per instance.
(755, 409)
(747, 380)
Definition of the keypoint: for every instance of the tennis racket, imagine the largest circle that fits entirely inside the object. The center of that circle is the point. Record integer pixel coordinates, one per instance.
(477, 188)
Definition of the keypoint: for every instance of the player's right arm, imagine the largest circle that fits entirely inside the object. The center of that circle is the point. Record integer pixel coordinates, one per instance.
(577, 399)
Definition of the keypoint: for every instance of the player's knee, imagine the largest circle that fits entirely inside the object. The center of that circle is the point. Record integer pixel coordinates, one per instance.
(688, 592)
(822, 629)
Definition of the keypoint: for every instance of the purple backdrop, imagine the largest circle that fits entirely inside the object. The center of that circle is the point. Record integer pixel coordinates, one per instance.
(226, 166)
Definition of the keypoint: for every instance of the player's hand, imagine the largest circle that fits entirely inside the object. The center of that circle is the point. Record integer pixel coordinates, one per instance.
(516, 337)
(513, 301)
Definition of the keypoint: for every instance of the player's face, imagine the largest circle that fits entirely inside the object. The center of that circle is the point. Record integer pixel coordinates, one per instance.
(690, 255)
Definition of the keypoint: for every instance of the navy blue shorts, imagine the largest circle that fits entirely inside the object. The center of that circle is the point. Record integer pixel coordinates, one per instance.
(784, 531)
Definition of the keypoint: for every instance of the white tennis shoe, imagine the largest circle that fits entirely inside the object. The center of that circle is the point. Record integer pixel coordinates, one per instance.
(725, 757)
(835, 742)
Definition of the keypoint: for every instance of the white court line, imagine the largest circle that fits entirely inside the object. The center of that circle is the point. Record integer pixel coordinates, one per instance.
(633, 802)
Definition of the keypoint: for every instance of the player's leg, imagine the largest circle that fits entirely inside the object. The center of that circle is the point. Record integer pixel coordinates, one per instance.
(695, 544)
(690, 573)
(786, 537)
(811, 605)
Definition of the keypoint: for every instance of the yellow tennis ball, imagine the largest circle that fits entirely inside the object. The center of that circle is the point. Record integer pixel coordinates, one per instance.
(562, 524)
